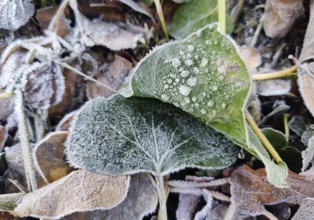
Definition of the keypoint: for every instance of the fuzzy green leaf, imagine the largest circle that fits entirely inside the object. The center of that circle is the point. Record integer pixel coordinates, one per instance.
(125, 136)
(196, 14)
(205, 76)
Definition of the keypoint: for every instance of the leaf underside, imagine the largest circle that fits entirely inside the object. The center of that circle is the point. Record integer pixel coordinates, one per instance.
(124, 136)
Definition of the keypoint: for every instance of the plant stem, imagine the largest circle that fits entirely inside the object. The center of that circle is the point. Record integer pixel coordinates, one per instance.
(262, 137)
(162, 191)
(286, 126)
(275, 75)
(161, 18)
(6, 95)
(56, 19)
(24, 140)
(222, 15)
(40, 124)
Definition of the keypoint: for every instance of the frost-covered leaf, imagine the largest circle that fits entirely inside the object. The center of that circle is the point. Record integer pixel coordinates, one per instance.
(250, 190)
(251, 57)
(273, 87)
(308, 154)
(280, 109)
(111, 74)
(138, 7)
(110, 35)
(204, 213)
(193, 15)
(66, 121)
(43, 84)
(50, 157)
(299, 124)
(306, 210)
(280, 15)
(123, 136)
(187, 207)
(79, 191)
(15, 13)
(205, 76)
(8, 201)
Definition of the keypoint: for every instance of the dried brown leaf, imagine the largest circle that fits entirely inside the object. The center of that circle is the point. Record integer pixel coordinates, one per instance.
(250, 190)
(111, 74)
(141, 8)
(306, 210)
(44, 85)
(50, 157)
(188, 204)
(15, 13)
(3, 137)
(110, 35)
(77, 192)
(251, 57)
(66, 122)
(280, 15)
(6, 107)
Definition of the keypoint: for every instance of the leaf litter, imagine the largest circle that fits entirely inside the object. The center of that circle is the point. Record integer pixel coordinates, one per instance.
(46, 69)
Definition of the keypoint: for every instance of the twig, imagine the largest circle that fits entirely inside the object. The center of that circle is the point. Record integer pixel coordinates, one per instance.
(161, 18)
(24, 140)
(262, 137)
(6, 95)
(230, 212)
(256, 34)
(56, 19)
(236, 11)
(18, 185)
(286, 126)
(178, 183)
(222, 15)
(275, 75)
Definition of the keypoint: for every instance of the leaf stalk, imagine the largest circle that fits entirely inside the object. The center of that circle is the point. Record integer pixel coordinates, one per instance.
(276, 75)
(162, 191)
(161, 18)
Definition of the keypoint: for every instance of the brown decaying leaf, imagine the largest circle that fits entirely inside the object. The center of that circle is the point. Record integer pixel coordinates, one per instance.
(73, 94)
(188, 204)
(110, 35)
(111, 74)
(250, 190)
(306, 69)
(306, 210)
(3, 137)
(273, 87)
(141, 8)
(66, 121)
(251, 57)
(77, 192)
(50, 157)
(45, 15)
(280, 15)
(6, 107)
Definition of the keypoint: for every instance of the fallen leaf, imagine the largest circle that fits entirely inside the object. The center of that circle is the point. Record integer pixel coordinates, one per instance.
(45, 15)
(251, 57)
(138, 8)
(125, 136)
(299, 124)
(308, 154)
(77, 192)
(273, 87)
(6, 107)
(110, 35)
(111, 74)
(50, 157)
(250, 190)
(306, 210)
(206, 210)
(15, 13)
(3, 137)
(280, 15)
(43, 84)
(8, 201)
(66, 122)
(187, 207)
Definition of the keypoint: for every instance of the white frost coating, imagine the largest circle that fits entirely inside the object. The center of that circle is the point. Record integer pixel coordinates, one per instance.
(184, 90)
(192, 81)
(210, 103)
(204, 62)
(165, 97)
(189, 62)
(185, 73)
(223, 105)
(196, 70)
(207, 42)
(222, 69)
(176, 62)
(187, 100)
(215, 88)
(194, 99)
(190, 48)
(203, 111)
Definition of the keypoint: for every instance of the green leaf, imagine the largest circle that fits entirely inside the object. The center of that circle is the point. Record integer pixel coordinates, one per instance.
(125, 136)
(205, 76)
(196, 14)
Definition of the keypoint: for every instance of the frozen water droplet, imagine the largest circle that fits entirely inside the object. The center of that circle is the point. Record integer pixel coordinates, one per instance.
(169, 81)
(172, 75)
(203, 111)
(210, 103)
(187, 100)
(207, 42)
(176, 62)
(197, 105)
(222, 69)
(215, 88)
(204, 62)
(166, 86)
(189, 62)
(181, 52)
(164, 97)
(190, 48)
(177, 80)
(194, 99)
(184, 90)
(196, 70)
(192, 81)
(185, 73)
(215, 42)
(223, 105)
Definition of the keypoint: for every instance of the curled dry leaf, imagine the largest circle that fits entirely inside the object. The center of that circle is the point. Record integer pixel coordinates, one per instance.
(15, 13)
(280, 15)
(79, 191)
(43, 84)
(306, 210)
(250, 190)
(66, 122)
(50, 157)
(251, 57)
(306, 69)
(111, 74)
(110, 35)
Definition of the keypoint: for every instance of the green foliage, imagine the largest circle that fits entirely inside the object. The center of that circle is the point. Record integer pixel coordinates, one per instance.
(196, 14)
(124, 136)
(205, 76)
